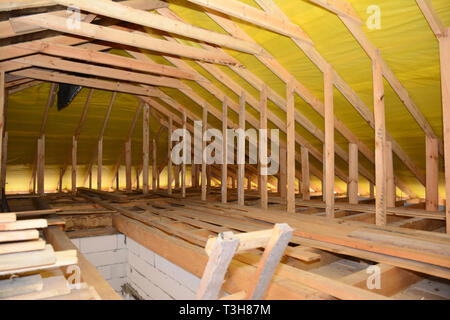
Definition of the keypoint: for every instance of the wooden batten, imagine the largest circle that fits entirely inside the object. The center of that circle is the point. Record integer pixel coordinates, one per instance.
(145, 147)
(224, 150)
(127, 165)
(353, 173)
(154, 164)
(241, 145)
(305, 183)
(380, 142)
(74, 164)
(329, 142)
(432, 174)
(40, 172)
(262, 182)
(204, 171)
(282, 177)
(290, 148)
(99, 163)
(390, 182)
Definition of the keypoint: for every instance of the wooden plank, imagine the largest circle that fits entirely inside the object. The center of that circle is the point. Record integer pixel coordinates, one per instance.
(329, 141)
(89, 273)
(74, 165)
(247, 241)
(40, 165)
(115, 35)
(23, 224)
(444, 46)
(241, 150)
(52, 287)
(432, 17)
(305, 184)
(290, 147)
(128, 165)
(432, 174)
(279, 239)
(380, 141)
(204, 170)
(224, 150)
(20, 285)
(169, 156)
(390, 181)
(353, 173)
(302, 253)
(21, 260)
(154, 169)
(282, 178)
(7, 217)
(263, 146)
(222, 252)
(145, 148)
(22, 246)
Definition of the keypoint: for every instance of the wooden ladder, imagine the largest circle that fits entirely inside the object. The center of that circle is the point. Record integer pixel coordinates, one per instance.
(222, 249)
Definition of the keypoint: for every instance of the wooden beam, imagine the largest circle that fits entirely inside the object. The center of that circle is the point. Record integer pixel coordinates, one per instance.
(432, 172)
(390, 182)
(341, 8)
(255, 16)
(262, 182)
(282, 177)
(134, 39)
(305, 184)
(99, 163)
(204, 173)
(154, 170)
(444, 46)
(40, 165)
(128, 165)
(353, 173)
(290, 148)
(3, 98)
(224, 150)
(4, 158)
(183, 164)
(432, 17)
(74, 165)
(145, 147)
(241, 151)
(169, 156)
(329, 141)
(380, 141)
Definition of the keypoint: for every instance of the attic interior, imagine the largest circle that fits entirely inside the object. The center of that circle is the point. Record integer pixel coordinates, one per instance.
(289, 149)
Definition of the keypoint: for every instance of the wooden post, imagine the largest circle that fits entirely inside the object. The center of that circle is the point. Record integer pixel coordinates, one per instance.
(204, 128)
(249, 183)
(444, 45)
(262, 181)
(432, 174)
(127, 165)
(380, 141)
(154, 165)
(4, 157)
(371, 190)
(145, 148)
(329, 141)
(324, 165)
(290, 158)
(74, 165)
(177, 176)
(224, 150)
(41, 165)
(183, 164)
(208, 178)
(390, 182)
(117, 181)
(353, 173)
(3, 98)
(305, 174)
(241, 151)
(90, 179)
(60, 179)
(169, 156)
(99, 163)
(282, 179)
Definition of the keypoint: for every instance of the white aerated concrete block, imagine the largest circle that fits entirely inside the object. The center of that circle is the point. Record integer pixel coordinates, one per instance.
(147, 255)
(184, 277)
(76, 242)
(118, 270)
(105, 271)
(121, 241)
(98, 244)
(145, 287)
(133, 246)
(107, 257)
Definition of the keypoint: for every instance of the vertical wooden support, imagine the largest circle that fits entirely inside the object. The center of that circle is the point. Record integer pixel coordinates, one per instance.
(90, 179)
(158, 174)
(4, 157)
(224, 150)
(183, 164)
(145, 148)
(99, 163)
(177, 177)
(290, 158)
(169, 156)
(371, 190)
(154, 173)
(193, 175)
(353, 173)
(117, 181)
(138, 173)
(127, 165)
(208, 179)
(390, 182)
(249, 183)
(61, 179)
(3, 98)
(324, 165)
(74, 165)
(305, 174)
(40, 165)
(241, 151)
(329, 142)
(444, 45)
(204, 128)
(380, 141)
(282, 179)
(262, 181)
(432, 174)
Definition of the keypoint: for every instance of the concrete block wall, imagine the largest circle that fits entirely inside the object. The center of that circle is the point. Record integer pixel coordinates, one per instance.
(109, 255)
(121, 260)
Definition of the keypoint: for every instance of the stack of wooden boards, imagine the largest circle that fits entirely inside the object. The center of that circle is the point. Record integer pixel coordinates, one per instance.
(24, 252)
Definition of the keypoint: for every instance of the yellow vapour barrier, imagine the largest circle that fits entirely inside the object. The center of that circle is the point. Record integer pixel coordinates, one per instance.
(404, 38)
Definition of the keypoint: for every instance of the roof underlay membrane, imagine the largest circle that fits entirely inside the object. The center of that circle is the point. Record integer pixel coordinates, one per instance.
(405, 40)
